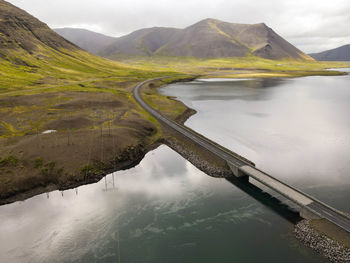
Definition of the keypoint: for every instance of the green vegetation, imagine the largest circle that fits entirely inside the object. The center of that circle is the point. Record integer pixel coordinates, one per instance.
(233, 67)
(61, 71)
(67, 116)
(52, 71)
(38, 162)
(10, 161)
(88, 102)
(169, 107)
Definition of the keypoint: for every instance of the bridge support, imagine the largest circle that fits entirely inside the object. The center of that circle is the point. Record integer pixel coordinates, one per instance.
(236, 171)
(307, 214)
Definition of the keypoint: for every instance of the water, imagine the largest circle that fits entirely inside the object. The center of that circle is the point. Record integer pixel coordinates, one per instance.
(295, 129)
(166, 210)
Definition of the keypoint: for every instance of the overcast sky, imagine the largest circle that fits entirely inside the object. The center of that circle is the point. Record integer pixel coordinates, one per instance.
(311, 25)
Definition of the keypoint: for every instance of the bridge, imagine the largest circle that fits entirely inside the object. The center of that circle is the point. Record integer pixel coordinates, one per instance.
(242, 168)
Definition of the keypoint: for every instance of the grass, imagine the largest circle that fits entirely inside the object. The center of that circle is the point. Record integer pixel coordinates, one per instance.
(169, 107)
(250, 64)
(88, 101)
(51, 69)
(48, 70)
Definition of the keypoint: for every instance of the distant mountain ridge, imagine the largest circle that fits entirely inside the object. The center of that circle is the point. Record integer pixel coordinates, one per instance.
(86, 39)
(205, 39)
(143, 42)
(337, 54)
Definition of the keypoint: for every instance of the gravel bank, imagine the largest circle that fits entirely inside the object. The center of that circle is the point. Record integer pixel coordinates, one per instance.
(205, 166)
(325, 246)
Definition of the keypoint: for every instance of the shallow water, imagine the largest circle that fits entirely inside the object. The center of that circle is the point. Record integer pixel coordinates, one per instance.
(166, 210)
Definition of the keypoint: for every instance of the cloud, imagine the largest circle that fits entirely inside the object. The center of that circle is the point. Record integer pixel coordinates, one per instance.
(311, 25)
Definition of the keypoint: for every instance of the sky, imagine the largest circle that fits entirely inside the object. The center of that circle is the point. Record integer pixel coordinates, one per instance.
(310, 25)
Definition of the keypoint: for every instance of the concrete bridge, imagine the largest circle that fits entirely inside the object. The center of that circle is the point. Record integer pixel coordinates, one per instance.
(242, 168)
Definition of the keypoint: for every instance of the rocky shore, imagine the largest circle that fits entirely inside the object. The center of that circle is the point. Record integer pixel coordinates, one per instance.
(206, 166)
(329, 248)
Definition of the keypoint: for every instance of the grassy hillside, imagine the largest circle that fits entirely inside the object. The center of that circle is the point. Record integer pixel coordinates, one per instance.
(66, 116)
(250, 66)
(47, 67)
(34, 56)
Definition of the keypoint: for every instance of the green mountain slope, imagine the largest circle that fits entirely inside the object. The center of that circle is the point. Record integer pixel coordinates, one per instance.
(49, 84)
(33, 55)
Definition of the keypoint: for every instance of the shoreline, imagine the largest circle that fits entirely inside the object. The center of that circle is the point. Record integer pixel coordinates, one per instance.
(321, 242)
(325, 242)
(132, 158)
(20, 197)
(129, 158)
(304, 231)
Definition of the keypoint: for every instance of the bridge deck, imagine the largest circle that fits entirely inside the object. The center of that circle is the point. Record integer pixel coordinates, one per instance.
(276, 185)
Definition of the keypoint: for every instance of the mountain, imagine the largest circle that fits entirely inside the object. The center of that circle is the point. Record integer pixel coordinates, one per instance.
(32, 54)
(141, 42)
(20, 30)
(86, 39)
(205, 39)
(337, 54)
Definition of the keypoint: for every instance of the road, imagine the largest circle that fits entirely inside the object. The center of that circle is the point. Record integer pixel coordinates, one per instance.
(244, 166)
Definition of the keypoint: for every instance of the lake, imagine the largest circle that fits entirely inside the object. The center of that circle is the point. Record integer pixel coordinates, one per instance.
(166, 210)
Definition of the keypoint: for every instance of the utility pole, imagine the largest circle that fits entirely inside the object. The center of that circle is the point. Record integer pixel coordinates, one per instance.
(68, 135)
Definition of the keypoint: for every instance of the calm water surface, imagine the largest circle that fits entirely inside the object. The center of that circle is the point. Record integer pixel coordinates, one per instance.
(296, 129)
(166, 210)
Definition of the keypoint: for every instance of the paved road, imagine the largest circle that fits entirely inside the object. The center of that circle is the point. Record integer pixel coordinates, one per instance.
(246, 167)
(206, 143)
(331, 215)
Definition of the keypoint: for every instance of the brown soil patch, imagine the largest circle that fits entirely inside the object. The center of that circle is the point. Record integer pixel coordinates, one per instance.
(86, 103)
(332, 231)
(37, 99)
(96, 133)
(139, 127)
(69, 153)
(73, 123)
